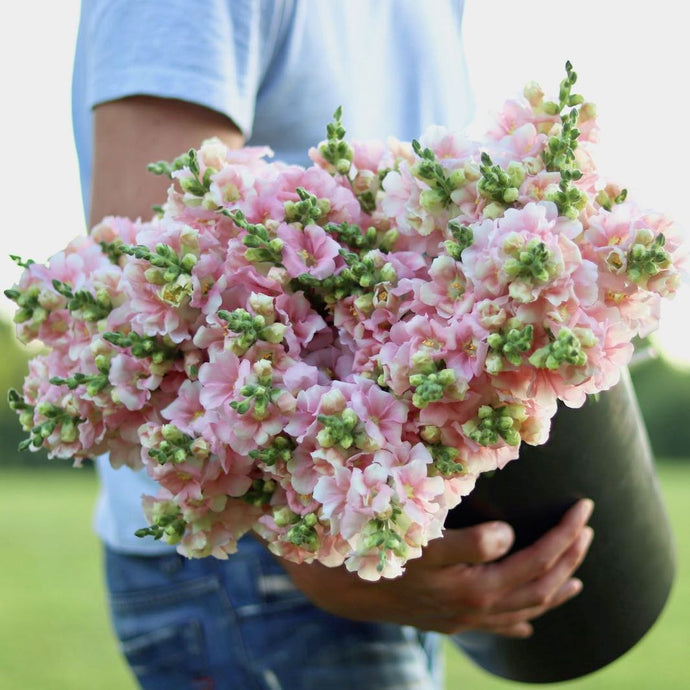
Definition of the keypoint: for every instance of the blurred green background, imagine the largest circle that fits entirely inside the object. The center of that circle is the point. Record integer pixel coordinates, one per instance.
(54, 628)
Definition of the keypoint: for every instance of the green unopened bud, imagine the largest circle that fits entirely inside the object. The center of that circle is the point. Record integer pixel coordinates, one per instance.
(416, 379)
(444, 461)
(511, 437)
(492, 424)
(171, 274)
(644, 236)
(68, 432)
(179, 455)
(390, 237)
(494, 363)
(95, 386)
(200, 449)
(510, 195)
(534, 94)
(387, 274)
(262, 305)
(274, 333)
(432, 200)
(325, 438)
(565, 349)
(365, 303)
(102, 363)
(191, 186)
(263, 369)
(446, 377)
(586, 337)
(423, 362)
(430, 434)
(493, 210)
(516, 173)
(171, 433)
(303, 534)
(26, 419)
(283, 516)
(45, 409)
(240, 406)
(47, 428)
(188, 262)
(458, 178)
(343, 165)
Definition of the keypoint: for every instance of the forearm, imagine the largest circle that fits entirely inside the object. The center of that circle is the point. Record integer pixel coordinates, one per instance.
(131, 133)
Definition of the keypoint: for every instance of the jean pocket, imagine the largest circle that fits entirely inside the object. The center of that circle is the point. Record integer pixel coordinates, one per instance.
(159, 619)
(166, 647)
(147, 599)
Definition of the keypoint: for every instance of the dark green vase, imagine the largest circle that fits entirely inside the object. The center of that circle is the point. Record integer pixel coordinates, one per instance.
(600, 451)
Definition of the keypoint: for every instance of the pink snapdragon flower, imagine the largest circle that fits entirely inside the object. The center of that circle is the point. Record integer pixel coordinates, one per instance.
(446, 289)
(416, 492)
(381, 413)
(517, 112)
(308, 250)
(132, 381)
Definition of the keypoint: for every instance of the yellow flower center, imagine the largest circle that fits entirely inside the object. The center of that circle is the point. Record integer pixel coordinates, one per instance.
(430, 343)
(456, 289)
(308, 258)
(615, 297)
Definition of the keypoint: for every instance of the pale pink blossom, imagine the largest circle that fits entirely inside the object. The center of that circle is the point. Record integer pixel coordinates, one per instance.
(308, 250)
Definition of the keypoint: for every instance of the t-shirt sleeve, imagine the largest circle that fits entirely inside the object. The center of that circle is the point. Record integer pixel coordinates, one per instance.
(210, 52)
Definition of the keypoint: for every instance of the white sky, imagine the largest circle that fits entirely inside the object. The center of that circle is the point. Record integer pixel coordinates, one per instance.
(631, 58)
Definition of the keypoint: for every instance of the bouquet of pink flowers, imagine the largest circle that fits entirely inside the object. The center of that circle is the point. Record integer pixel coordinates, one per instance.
(331, 355)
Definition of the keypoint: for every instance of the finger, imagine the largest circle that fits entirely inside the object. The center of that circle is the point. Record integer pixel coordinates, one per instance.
(543, 590)
(535, 560)
(478, 544)
(517, 630)
(512, 622)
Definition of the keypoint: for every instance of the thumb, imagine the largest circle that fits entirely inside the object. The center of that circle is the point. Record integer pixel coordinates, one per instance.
(481, 543)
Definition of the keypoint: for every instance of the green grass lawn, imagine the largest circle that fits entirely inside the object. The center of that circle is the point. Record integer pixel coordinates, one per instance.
(54, 628)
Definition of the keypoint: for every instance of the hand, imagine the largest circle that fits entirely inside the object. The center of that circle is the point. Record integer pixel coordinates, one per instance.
(458, 584)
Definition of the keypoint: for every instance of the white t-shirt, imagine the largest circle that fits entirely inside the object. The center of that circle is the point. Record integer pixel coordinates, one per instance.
(278, 70)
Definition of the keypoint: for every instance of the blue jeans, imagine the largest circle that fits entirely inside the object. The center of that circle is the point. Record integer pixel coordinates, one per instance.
(241, 624)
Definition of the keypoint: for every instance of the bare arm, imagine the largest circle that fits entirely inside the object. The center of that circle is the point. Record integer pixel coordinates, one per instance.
(457, 584)
(131, 133)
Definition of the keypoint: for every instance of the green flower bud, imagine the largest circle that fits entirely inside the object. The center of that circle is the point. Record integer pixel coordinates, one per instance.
(283, 516)
(240, 406)
(432, 200)
(493, 210)
(188, 262)
(274, 333)
(458, 178)
(430, 434)
(68, 432)
(511, 195)
(171, 433)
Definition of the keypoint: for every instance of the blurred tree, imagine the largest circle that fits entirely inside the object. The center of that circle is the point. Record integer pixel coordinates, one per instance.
(663, 392)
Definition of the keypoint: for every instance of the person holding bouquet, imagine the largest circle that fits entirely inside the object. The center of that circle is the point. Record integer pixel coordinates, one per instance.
(154, 79)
